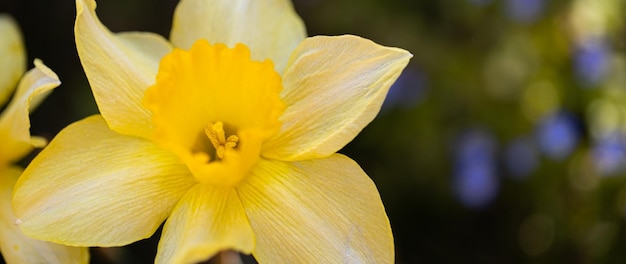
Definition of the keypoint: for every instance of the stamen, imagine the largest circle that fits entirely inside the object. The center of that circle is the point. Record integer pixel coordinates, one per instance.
(215, 133)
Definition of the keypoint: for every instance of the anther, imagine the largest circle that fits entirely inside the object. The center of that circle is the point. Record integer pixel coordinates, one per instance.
(215, 133)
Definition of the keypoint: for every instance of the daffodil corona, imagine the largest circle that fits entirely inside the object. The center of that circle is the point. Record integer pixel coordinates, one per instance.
(213, 106)
(228, 133)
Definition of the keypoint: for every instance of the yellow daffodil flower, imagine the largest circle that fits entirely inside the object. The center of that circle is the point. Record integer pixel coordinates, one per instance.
(16, 142)
(229, 131)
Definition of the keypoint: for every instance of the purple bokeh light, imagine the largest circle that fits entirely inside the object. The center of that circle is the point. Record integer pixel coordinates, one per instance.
(591, 61)
(524, 11)
(557, 135)
(609, 154)
(475, 180)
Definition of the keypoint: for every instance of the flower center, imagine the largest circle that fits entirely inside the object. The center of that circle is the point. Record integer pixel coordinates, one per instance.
(215, 133)
(213, 107)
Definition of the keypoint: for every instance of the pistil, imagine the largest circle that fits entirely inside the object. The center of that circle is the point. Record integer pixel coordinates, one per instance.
(217, 136)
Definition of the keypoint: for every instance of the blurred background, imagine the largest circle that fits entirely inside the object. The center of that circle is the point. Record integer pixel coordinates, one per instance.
(503, 141)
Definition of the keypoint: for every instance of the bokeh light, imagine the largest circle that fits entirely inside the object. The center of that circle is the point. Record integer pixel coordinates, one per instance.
(591, 61)
(475, 179)
(557, 135)
(609, 153)
(524, 11)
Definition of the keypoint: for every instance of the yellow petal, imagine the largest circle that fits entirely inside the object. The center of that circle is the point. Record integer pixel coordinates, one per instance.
(15, 246)
(333, 87)
(205, 221)
(271, 28)
(120, 67)
(316, 211)
(14, 121)
(94, 187)
(12, 57)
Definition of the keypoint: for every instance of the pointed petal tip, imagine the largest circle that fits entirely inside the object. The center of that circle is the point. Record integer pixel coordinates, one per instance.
(38, 142)
(46, 71)
(34, 86)
(345, 101)
(357, 38)
(119, 68)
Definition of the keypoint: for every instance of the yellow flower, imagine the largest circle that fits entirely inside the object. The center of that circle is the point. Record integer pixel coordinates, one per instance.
(16, 142)
(229, 132)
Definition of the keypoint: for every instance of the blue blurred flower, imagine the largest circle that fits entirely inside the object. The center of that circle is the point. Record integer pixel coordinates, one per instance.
(609, 154)
(479, 2)
(557, 135)
(407, 91)
(520, 157)
(591, 61)
(524, 11)
(475, 180)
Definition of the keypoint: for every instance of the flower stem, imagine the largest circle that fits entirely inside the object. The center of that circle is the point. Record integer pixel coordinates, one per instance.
(229, 257)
